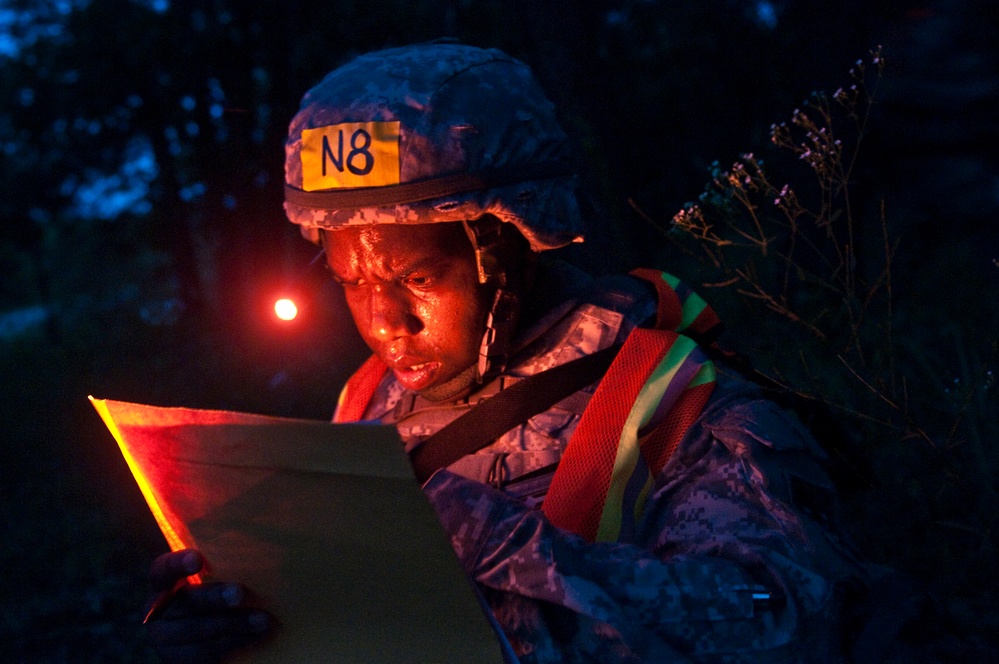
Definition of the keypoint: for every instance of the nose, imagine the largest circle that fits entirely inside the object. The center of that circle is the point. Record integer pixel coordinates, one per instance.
(391, 316)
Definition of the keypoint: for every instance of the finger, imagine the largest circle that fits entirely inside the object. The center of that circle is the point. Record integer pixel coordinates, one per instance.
(209, 597)
(187, 599)
(213, 633)
(171, 567)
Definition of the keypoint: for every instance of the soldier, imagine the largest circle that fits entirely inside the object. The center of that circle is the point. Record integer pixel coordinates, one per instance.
(647, 515)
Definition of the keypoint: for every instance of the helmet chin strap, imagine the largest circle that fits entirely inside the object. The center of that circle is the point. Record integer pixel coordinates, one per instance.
(494, 255)
(494, 349)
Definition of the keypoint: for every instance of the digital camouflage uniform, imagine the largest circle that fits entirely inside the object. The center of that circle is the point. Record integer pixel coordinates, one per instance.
(723, 564)
(720, 527)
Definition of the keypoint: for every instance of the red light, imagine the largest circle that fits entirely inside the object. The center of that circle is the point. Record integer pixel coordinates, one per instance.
(285, 309)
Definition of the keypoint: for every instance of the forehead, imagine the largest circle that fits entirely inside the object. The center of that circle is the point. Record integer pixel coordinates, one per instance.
(392, 243)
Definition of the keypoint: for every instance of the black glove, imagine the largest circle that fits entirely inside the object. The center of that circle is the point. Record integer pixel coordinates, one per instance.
(202, 622)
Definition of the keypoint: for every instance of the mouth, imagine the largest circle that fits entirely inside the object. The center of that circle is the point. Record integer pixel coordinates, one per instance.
(416, 376)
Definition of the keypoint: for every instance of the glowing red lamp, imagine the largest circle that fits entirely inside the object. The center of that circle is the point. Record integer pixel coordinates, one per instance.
(285, 309)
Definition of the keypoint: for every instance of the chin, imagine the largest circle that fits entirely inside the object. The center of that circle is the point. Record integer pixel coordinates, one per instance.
(457, 387)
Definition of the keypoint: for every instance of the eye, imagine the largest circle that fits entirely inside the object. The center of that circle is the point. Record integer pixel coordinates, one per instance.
(417, 280)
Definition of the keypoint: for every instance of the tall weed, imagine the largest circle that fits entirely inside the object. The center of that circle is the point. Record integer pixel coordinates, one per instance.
(898, 390)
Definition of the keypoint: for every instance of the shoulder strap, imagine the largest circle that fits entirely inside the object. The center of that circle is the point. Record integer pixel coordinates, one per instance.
(516, 404)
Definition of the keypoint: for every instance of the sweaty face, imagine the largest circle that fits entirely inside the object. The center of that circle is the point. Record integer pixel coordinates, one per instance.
(414, 294)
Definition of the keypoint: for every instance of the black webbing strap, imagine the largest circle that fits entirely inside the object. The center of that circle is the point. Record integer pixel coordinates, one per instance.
(424, 190)
(515, 405)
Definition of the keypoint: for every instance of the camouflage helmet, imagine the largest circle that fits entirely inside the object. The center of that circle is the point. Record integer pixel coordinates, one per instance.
(430, 133)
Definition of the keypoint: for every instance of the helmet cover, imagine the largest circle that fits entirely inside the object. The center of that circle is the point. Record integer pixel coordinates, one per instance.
(431, 133)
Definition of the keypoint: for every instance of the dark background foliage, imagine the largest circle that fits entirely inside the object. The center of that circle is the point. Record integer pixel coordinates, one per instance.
(142, 239)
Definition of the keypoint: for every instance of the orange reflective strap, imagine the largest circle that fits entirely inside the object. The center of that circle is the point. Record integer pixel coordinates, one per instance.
(650, 396)
(359, 390)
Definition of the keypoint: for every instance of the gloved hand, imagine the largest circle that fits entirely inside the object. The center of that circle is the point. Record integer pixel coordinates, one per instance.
(204, 622)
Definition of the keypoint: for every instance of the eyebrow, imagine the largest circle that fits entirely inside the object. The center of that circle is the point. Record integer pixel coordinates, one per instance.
(404, 269)
(423, 263)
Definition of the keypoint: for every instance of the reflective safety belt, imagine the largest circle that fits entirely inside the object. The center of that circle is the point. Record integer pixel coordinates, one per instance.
(641, 410)
(651, 395)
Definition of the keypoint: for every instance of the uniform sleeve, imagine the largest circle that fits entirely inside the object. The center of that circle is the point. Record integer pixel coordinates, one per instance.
(722, 564)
